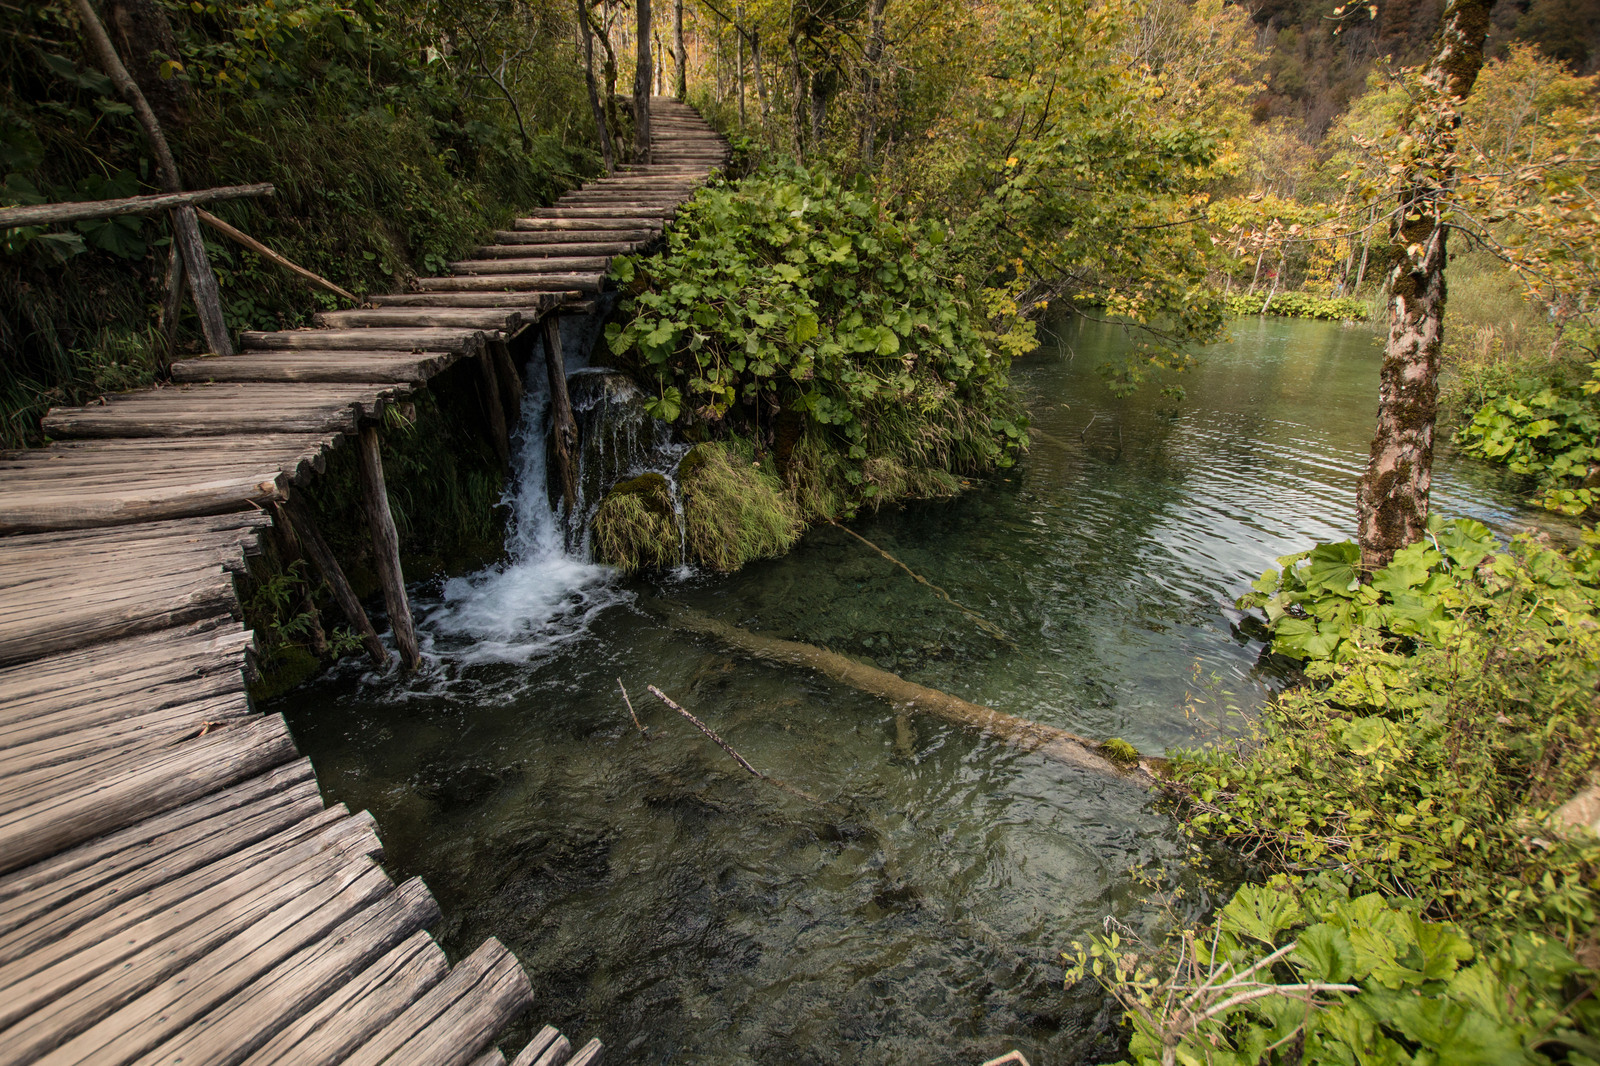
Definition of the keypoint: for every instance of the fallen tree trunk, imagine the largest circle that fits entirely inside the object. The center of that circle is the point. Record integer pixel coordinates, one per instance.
(909, 696)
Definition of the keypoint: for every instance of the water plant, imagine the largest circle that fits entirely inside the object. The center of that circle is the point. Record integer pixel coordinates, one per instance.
(635, 527)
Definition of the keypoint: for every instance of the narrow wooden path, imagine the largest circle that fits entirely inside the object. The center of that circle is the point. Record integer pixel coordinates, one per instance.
(172, 887)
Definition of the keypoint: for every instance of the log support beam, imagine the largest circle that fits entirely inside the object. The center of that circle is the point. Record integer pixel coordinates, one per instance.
(294, 516)
(563, 427)
(386, 546)
(493, 406)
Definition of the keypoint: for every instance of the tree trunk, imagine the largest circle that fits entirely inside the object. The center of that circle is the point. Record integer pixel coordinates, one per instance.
(142, 32)
(1361, 271)
(680, 54)
(602, 130)
(799, 83)
(738, 42)
(1256, 277)
(1392, 502)
(643, 79)
(386, 546)
(874, 56)
(755, 69)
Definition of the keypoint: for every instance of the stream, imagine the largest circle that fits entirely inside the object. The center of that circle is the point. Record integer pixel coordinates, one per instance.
(683, 911)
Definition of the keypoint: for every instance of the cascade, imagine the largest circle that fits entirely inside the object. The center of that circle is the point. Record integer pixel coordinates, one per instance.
(546, 590)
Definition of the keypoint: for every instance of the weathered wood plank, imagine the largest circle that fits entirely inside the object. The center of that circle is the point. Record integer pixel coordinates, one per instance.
(221, 409)
(537, 303)
(351, 1014)
(542, 1041)
(453, 1022)
(528, 250)
(533, 224)
(513, 283)
(497, 320)
(155, 1015)
(400, 339)
(550, 265)
(227, 1033)
(176, 776)
(332, 366)
(576, 238)
(50, 913)
(72, 982)
(588, 1055)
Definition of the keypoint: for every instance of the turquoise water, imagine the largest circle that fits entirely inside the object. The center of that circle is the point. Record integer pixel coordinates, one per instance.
(683, 911)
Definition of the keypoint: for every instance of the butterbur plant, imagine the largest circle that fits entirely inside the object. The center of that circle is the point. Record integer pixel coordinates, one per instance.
(792, 299)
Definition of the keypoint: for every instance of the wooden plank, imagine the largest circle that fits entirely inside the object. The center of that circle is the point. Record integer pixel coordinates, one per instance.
(512, 283)
(524, 249)
(145, 1022)
(588, 1055)
(499, 320)
(492, 1057)
(76, 981)
(555, 1054)
(70, 504)
(377, 367)
(551, 265)
(46, 915)
(227, 1033)
(590, 213)
(168, 725)
(224, 409)
(576, 238)
(221, 758)
(535, 224)
(133, 673)
(536, 302)
(437, 339)
(491, 983)
(541, 1042)
(351, 1014)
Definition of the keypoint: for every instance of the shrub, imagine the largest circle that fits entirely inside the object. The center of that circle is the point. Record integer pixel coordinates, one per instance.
(1299, 305)
(791, 300)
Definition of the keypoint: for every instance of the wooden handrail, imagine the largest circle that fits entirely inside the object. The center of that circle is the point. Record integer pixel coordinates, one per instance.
(50, 214)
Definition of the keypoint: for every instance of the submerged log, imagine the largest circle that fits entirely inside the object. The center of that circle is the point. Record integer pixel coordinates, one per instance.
(908, 695)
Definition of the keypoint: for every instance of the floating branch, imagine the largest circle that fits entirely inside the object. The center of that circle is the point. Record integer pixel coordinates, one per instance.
(644, 730)
(1112, 758)
(725, 746)
(982, 623)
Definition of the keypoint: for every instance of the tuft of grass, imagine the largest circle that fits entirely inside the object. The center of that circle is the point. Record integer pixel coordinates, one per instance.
(1120, 752)
(734, 511)
(635, 527)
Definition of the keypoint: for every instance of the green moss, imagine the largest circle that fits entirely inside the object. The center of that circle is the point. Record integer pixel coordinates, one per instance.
(288, 666)
(1120, 752)
(734, 510)
(635, 527)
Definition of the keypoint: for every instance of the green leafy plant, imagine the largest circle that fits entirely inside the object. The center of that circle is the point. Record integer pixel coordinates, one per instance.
(1549, 429)
(1299, 305)
(1291, 973)
(790, 306)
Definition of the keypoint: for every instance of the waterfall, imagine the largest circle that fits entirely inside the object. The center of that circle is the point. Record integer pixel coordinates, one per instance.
(546, 591)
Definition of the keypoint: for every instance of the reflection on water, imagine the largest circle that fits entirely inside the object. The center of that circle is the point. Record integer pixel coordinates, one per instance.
(667, 902)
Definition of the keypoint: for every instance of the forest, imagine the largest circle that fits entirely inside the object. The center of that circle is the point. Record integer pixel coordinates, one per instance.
(920, 192)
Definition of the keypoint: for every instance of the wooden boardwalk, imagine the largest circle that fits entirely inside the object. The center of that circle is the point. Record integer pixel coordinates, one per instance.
(172, 888)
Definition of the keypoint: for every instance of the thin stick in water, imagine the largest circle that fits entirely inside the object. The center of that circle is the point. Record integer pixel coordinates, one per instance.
(981, 622)
(725, 746)
(644, 730)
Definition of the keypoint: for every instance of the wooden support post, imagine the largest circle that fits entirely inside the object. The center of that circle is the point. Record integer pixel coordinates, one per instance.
(511, 388)
(386, 547)
(493, 406)
(171, 309)
(563, 427)
(294, 514)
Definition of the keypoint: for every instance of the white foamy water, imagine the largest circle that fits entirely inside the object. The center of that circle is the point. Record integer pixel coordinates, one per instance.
(542, 595)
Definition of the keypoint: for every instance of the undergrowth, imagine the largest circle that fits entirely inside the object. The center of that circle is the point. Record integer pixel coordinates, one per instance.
(1422, 903)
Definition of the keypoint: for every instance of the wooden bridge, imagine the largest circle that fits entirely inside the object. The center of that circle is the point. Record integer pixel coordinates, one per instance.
(172, 888)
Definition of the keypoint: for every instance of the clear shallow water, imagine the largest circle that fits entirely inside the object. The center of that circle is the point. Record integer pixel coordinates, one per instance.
(684, 912)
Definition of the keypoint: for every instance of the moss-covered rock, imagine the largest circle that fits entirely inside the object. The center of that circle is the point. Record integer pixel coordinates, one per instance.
(734, 510)
(635, 527)
(1120, 752)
